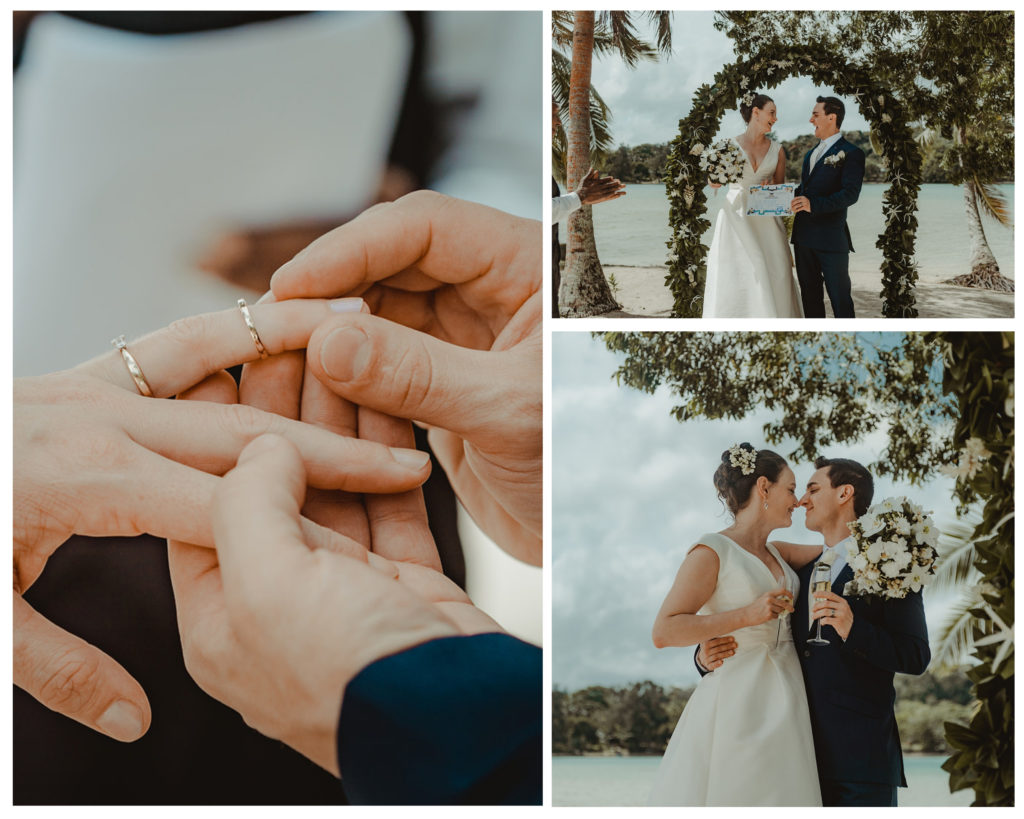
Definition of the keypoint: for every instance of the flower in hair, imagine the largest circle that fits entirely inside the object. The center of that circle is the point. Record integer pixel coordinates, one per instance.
(748, 98)
(745, 460)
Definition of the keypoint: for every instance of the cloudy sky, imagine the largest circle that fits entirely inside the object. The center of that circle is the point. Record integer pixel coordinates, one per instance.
(647, 102)
(631, 492)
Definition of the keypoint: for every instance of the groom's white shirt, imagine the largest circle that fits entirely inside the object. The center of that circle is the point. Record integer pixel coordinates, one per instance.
(823, 146)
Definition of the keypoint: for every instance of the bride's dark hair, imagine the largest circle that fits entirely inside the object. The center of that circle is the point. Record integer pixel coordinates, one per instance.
(734, 488)
(759, 101)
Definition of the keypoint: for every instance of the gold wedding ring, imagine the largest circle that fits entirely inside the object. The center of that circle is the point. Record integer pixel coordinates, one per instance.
(134, 370)
(252, 329)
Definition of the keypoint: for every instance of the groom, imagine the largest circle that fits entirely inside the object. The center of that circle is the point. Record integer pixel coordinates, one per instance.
(849, 682)
(829, 183)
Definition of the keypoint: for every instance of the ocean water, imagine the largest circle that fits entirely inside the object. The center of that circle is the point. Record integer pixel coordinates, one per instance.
(633, 230)
(626, 781)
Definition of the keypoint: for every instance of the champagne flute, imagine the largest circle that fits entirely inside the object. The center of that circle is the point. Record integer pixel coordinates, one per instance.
(821, 580)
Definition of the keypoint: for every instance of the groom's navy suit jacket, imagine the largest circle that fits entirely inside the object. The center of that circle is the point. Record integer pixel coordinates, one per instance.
(849, 684)
(831, 189)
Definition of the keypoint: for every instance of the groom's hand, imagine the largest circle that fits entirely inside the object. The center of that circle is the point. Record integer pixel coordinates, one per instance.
(715, 651)
(800, 203)
(834, 611)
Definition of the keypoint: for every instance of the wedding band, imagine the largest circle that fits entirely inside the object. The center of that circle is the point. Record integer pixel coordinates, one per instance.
(831, 612)
(134, 370)
(252, 329)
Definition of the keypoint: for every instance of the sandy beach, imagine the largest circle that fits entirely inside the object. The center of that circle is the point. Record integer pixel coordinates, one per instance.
(642, 292)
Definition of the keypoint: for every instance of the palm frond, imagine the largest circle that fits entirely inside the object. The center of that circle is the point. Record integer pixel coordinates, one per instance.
(956, 550)
(926, 136)
(662, 21)
(954, 643)
(615, 31)
(993, 203)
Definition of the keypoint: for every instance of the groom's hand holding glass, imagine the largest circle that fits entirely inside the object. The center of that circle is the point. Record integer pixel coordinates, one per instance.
(833, 610)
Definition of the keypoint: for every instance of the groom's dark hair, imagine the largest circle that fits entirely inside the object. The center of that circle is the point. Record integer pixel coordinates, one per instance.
(843, 471)
(834, 105)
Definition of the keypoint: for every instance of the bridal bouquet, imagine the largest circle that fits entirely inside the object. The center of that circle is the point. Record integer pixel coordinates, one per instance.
(894, 550)
(722, 162)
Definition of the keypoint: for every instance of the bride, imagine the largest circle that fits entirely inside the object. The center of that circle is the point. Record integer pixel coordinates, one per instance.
(744, 737)
(750, 267)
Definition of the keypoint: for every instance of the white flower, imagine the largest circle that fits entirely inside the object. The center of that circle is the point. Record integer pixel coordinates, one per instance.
(901, 525)
(915, 580)
(745, 460)
(697, 149)
(871, 524)
(926, 533)
(858, 562)
(888, 505)
(874, 551)
(743, 82)
(890, 569)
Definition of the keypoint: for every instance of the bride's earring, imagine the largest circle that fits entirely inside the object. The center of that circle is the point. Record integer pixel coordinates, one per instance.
(766, 506)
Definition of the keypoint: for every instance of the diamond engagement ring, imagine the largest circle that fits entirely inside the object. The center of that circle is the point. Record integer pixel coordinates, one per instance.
(252, 329)
(134, 370)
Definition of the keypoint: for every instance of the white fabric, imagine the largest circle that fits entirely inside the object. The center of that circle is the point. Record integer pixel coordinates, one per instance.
(744, 738)
(750, 267)
(563, 206)
(133, 153)
(823, 146)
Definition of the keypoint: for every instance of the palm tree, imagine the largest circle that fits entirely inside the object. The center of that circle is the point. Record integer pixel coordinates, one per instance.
(585, 291)
(955, 570)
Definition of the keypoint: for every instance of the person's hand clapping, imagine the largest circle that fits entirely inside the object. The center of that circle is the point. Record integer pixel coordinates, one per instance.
(93, 457)
(594, 189)
(454, 343)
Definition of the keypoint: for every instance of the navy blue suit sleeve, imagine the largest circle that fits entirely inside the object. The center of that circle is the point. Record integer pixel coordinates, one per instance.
(898, 642)
(852, 179)
(452, 721)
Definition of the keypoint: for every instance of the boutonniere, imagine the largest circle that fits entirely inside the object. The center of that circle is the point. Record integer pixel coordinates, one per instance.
(836, 158)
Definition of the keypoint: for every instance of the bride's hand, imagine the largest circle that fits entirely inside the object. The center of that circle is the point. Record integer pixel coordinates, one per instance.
(93, 457)
(768, 606)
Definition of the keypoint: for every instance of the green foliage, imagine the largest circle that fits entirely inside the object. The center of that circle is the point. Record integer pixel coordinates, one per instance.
(770, 65)
(639, 718)
(945, 401)
(979, 372)
(827, 389)
(634, 719)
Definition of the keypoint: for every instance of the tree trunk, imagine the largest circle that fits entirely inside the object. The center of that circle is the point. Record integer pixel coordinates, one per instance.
(984, 267)
(585, 290)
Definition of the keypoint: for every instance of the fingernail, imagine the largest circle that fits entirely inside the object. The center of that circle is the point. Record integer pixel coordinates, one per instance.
(349, 305)
(345, 353)
(122, 721)
(411, 458)
(267, 298)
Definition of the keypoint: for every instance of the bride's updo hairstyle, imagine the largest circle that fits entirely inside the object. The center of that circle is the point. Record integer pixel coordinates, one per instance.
(759, 101)
(736, 488)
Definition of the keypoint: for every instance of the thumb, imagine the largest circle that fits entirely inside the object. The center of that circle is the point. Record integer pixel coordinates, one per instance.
(76, 679)
(402, 372)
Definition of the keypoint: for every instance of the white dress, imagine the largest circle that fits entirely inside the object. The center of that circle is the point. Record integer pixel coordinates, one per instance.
(744, 738)
(750, 267)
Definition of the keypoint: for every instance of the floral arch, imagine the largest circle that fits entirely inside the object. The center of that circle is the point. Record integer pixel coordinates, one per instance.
(763, 71)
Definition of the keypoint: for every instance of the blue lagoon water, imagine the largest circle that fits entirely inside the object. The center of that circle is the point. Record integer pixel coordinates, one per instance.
(632, 231)
(626, 781)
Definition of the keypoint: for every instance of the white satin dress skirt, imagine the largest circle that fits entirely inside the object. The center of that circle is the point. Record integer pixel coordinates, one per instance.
(744, 738)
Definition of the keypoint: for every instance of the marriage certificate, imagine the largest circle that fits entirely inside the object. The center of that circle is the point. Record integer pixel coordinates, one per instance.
(770, 200)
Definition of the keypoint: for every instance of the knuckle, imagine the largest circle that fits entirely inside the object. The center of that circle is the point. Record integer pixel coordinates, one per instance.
(192, 332)
(249, 422)
(70, 683)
